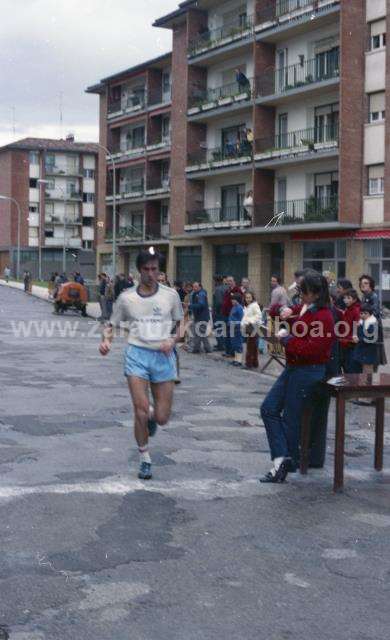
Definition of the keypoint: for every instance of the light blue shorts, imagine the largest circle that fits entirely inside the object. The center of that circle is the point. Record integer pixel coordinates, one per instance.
(150, 365)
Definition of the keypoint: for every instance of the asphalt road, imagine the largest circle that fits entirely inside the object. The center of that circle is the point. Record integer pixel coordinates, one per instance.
(203, 552)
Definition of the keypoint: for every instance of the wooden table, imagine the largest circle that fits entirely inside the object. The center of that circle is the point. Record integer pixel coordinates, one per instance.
(377, 387)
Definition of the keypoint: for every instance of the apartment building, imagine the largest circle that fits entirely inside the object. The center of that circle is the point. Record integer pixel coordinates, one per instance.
(135, 128)
(309, 79)
(271, 154)
(54, 183)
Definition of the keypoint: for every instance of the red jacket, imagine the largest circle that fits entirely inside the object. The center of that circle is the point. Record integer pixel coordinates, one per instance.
(312, 336)
(351, 316)
(227, 300)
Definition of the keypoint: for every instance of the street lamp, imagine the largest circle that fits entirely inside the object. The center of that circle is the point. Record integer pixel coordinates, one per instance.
(64, 199)
(19, 224)
(109, 154)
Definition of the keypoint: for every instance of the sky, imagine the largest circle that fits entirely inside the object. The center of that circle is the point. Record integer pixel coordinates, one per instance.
(54, 47)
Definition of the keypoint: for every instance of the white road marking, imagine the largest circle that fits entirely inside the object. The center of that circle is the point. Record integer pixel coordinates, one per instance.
(291, 578)
(375, 519)
(339, 554)
(206, 488)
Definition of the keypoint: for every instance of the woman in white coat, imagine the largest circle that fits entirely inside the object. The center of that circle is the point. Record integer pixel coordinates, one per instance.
(249, 327)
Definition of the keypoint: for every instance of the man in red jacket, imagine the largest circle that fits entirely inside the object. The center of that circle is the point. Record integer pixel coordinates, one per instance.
(308, 348)
(226, 309)
(348, 325)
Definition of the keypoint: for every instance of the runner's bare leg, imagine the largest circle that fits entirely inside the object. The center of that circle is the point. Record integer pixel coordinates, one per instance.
(139, 393)
(162, 396)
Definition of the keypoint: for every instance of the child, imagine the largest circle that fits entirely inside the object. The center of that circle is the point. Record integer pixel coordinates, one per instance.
(350, 319)
(366, 340)
(235, 317)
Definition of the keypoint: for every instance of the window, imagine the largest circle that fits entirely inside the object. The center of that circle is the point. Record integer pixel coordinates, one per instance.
(49, 209)
(233, 141)
(232, 259)
(33, 232)
(165, 128)
(165, 168)
(51, 185)
(33, 208)
(71, 210)
(33, 157)
(326, 255)
(377, 103)
(89, 173)
(376, 180)
(50, 161)
(377, 34)
(135, 138)
(327, 63)
(33, 183)
(88, 197)
(326, 187)
(72, 163)
(231, 199)
(49, 232)
(164, 211)
(166, 83)
(71, 187)
(87, 244)
(189, 264)
(88, 222)
(326, 122)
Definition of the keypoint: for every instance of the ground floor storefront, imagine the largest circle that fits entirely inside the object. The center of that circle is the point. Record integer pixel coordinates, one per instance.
(345, 254)
(51, 261)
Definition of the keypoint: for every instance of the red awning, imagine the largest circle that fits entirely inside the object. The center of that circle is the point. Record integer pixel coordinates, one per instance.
(322, 235)
(372, 234)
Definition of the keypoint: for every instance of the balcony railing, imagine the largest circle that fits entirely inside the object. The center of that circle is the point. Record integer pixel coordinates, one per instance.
(69, 220)
(127, 188)
(218, 215)
(310, 210)
(301, 141)
(285, 10)
(295, 76)
(159, 184)
(54, 170)
(220, 96)
(128, 150)
(133, 101)
(60, 195)
(216, 37)
(229, 153)
(127, 234)
(114, 106)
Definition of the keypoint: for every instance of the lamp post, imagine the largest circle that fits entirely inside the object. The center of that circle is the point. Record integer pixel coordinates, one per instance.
(65, 202)
(109, 154)
(16, 203)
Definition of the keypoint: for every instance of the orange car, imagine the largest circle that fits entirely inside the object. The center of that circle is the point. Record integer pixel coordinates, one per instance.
(71, 295)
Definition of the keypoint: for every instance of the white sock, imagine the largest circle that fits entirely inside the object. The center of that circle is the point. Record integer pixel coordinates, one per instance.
(277, 463)
(144, 455)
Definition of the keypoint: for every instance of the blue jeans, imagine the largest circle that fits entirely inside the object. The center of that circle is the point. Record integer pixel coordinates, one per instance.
(283, 407)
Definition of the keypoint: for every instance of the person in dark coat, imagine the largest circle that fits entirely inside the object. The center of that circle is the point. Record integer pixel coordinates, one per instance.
(226, 309)
(218, 318)
(236, 338)
(343, 285)
(199, 308)
(370, 297)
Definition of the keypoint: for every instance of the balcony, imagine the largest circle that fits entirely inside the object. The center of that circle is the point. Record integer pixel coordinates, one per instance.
(289, 81)
(158, 186)
(54, 170)
(126, 234)
(286, 14)
(305, 144)
(231, 95)
(127, 152)
(53, 219)
(218, 218)
(162, 143)
(229, 33)
(126, 105)
(70, 243)
(71, 196)
(308, 211)
(230, 155)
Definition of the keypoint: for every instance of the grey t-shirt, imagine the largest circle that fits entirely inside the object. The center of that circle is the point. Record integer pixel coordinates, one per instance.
(150, 318)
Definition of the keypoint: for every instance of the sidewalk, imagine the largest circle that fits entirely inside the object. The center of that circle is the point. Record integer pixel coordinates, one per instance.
(93, 308)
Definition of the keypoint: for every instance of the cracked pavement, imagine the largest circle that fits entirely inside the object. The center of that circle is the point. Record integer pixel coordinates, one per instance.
(201, 552)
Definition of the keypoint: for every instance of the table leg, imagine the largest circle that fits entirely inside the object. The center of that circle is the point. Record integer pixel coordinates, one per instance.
(338, 481)
(379, 432)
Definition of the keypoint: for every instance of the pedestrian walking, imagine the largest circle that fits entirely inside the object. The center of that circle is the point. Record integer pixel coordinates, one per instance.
(249, 327)
(307, 353)
(109, 294)
(236, 338)
(151, 309)
(7, 273)
(199, 308)
(27, 281)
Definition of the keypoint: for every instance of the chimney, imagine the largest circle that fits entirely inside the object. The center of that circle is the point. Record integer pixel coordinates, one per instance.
(70, 137)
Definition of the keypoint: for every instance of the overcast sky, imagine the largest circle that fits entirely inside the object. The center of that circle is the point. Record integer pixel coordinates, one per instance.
(54, 46)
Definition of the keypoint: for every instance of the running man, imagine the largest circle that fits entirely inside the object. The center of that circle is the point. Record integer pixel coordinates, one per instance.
(152, 311)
